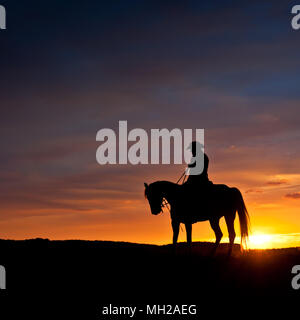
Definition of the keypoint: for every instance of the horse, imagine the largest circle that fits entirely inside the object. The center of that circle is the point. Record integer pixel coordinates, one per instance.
(219, 201)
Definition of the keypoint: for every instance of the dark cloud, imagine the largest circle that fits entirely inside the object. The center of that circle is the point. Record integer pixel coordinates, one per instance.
(295, 195)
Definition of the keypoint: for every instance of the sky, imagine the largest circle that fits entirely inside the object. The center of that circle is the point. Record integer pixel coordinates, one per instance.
(71, 68)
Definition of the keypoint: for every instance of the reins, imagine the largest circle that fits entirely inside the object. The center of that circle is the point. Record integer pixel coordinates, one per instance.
(183, 174)
(165, 203)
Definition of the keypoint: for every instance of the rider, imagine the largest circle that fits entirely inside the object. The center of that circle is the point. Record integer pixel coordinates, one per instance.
(196, 180)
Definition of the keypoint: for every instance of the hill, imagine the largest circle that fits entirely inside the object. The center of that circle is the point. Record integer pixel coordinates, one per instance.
(102, 272)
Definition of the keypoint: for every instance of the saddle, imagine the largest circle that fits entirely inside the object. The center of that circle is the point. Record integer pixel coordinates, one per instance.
(195, 189)
(202, 195)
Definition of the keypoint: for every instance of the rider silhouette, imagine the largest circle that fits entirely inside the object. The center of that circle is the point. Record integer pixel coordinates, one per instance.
(195, 180)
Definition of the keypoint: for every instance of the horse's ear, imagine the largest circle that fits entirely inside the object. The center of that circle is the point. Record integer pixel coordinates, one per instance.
(146, 185)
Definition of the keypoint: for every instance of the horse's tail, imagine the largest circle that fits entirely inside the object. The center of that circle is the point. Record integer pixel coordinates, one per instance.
(243, 217)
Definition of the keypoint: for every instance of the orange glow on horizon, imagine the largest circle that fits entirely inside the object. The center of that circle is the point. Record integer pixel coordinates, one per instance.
(260, 241)
(268, 241)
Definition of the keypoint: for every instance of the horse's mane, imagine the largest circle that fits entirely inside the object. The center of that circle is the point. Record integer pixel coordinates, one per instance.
(160, 183)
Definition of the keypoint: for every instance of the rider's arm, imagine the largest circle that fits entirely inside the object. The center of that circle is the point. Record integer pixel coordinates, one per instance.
(192, 164)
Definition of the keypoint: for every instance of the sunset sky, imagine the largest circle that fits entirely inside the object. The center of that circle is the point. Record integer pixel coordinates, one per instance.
(70, 68)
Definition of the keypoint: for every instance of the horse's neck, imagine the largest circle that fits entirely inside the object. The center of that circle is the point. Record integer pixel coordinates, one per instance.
(169, 190)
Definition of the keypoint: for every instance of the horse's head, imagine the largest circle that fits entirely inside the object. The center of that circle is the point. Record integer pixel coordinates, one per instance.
(155, 198)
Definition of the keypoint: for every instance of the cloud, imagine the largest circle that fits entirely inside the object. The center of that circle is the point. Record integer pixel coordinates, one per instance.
(277, 182)
(294, 195)
(254, 191)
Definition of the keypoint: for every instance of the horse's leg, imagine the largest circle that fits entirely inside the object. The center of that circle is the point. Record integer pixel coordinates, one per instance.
(188, 229)
(214, 223)
(230, 226)
(175, 226)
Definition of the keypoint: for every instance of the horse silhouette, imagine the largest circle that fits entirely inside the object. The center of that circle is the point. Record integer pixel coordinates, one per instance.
(219, 201)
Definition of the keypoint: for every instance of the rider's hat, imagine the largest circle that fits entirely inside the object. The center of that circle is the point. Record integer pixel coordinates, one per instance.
(194, 145)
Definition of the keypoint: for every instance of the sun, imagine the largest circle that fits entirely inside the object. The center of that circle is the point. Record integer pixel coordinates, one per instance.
(260, 241)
